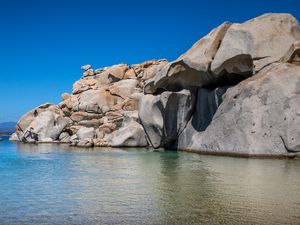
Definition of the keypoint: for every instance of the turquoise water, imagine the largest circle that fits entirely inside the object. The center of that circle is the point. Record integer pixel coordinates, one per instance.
(53, 184)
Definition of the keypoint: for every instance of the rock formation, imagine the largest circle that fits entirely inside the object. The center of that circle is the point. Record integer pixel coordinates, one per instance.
(235, 91)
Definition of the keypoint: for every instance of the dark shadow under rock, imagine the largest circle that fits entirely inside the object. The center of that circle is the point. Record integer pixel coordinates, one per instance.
(208, 101)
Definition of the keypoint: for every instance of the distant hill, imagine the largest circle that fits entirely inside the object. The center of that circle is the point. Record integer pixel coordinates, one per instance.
(7, 128)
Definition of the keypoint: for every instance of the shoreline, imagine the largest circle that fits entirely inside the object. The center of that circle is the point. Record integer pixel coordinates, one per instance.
(199, 152)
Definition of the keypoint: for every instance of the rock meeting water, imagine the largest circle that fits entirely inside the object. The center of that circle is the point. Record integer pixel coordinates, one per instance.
(54, 184)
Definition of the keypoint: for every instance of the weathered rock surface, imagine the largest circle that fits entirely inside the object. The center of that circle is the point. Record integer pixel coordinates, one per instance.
(44, 124)
(165, 116)
(236, 91)
(258, 116)
(130, 134)
(265, 38)
(293, 54)
(240, 49)
(192, 68)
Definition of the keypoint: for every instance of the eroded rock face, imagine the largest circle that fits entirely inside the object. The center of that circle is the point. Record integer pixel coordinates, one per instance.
(265, 38)
(258, 116)
(192, 68)
(293, 54)
(234, 91)
(165, 116)
(101, 111)
(131, 134)
(44, 124)
(240, 49)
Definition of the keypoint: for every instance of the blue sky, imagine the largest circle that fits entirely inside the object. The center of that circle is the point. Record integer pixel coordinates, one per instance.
(43, 43)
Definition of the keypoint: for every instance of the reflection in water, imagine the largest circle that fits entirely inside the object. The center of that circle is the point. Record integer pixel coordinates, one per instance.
(57, 184)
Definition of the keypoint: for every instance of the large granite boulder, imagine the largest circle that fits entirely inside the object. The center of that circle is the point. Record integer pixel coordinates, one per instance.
(165, 116)
(208, 101)
(43, 124)
(192, 68)
(293, 54)
(238, 49)
(265, 38)
(131, 134)
(259, 116)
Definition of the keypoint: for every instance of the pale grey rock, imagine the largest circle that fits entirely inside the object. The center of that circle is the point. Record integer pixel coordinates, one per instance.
(86, 67)
(259, 116)
(85, 143)
(130, 74)
(293, 54)
(165, 116)
(99, 70)
(240, 64)
(79, 116)
(84, 85)
(88, 73)
(46, 140)
(64, 137)
(14, 137)
(208, 101)
(90, 123)
(65, 96)
(123, 88)
(74, 128)
(95, 101)
(149, 87)
(116, 72)
(85, 132)
(74, 139)
(266, 38)
(150, 71)
(45, 125)
(150, 114)
(131, 134)
(26, 119)
(192, 68)
(202, 53)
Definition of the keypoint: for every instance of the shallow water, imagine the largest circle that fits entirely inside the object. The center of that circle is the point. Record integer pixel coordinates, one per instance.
(53, 184)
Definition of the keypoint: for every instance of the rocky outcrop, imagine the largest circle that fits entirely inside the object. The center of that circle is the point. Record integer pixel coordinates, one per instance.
(258, 116)
(101, 111)
(165, 116)
(235, 91)
(239, 49)
(43, 124)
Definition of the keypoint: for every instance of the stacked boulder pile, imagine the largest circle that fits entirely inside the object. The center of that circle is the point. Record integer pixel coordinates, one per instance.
(101, 111)
(235, 91)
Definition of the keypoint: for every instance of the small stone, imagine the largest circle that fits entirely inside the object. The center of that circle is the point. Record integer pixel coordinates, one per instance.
(89, 72)
(86, 67)
(65, 96)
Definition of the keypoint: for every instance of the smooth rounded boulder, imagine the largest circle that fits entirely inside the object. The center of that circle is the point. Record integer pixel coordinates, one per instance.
(259, 116)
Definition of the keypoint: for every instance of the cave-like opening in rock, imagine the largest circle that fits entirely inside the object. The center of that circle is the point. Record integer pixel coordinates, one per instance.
(210, 97)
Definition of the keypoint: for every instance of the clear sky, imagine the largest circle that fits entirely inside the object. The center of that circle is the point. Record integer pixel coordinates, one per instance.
(44, 42)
